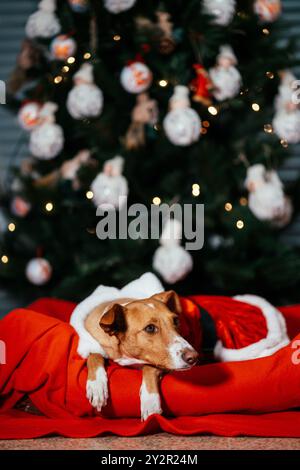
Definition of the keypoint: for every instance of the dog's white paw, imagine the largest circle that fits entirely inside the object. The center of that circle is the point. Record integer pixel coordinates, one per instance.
(150, 403)
(97, 390)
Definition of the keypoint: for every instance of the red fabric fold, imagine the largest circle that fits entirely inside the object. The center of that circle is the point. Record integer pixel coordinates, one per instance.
(257, 397)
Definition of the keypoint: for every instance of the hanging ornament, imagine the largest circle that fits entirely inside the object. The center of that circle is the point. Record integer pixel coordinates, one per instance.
(286, 122)
(201, 85)
(268, 10)
(47, 139)
(222, 11)
(136, 77)
(267, 200)
(62, 47)
(67, 171)
(38, 271)
(166, 40)
(85, 100)
(29, 115)
(110, 185)
(117, 6)
(226, 78)
(79, 6)
(145, 112)
(182, 124)
(43, 23)
(171, 260)
(20, 207)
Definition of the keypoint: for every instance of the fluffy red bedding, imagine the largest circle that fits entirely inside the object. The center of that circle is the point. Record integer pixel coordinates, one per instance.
(258, 397)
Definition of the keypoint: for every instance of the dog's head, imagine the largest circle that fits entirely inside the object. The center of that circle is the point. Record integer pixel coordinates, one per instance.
(148, 330)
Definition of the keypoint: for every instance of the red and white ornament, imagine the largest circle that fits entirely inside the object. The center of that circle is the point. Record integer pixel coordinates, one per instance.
(171, 260)
(182, 124)
(20, 207)
(136, 77)
(117, 6)
(62, 47)
(85, 99)
(29, 115)
(201, 85)
(43, 23)
(226, 78)
(47, 139)
(38, 271)
(268, 10)
(267, 200)
(221, 10)
(110, 185)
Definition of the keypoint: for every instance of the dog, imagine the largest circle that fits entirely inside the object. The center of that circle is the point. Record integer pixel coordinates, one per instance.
(138, 333)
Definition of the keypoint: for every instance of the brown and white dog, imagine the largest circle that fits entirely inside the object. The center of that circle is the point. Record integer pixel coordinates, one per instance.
(133, 332)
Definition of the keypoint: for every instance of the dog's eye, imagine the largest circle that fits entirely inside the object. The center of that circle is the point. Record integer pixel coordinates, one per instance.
(151, 329)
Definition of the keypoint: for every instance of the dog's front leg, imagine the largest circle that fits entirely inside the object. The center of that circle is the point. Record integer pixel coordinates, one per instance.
(149, 392)
(96, 386)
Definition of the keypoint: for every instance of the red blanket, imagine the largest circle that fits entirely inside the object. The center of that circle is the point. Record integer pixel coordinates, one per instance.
(258, 397)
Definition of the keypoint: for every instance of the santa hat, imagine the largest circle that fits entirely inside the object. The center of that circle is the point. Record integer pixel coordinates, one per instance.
(85, 74)
(246, 326)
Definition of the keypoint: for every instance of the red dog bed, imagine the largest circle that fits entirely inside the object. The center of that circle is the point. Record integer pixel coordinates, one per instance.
(258, 397)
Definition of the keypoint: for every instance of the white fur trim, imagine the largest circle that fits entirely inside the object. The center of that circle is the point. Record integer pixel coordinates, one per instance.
(150, 403)
(276, 338)
(145, 286)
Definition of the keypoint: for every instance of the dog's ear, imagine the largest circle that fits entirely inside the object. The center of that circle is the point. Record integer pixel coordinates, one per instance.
(113, 321)
(170, 299)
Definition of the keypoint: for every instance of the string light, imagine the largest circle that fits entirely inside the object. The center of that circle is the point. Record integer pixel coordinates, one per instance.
(243, 201)
(228, 207)
(268, 128)
(255, 107)
(205, 123)
(284, 143)
(11, 227)
(89, 194)
(240, 224)
(266, 31)
(49, 206)
(203, 131)
(87, 55)
(270, 75)
(195, 189)
(65, 68)
(163, 83)
(213, 110)
(156, 201)
(4, 259)
(58, 79)
(71, 60)
(117, 37)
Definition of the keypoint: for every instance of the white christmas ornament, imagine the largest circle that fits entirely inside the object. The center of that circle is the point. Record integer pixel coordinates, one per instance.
(222, 10)
(38, 271)
(226, 78)
(267, 10)
(85, 99)
(62, 47)
(29, 115)
(286, 122)
(110, 185)
(117, 6)
(47, 139)
(43, 23)
(171, 260)
(136, 77)
(182, 124)
(267, 200)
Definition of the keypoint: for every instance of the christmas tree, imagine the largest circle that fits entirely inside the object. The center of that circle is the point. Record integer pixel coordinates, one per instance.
(166, 101)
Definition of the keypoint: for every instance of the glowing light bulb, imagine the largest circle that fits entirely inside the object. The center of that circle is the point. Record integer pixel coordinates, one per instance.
(49, 206)
(228, 207)
(240, 224)
(89, 194)
(71, 60)
(4, 259)
(11, 227)
(213, 110)
(196, 190)
(163, 83)
(255, 107)
(156, 201)
(57, 79)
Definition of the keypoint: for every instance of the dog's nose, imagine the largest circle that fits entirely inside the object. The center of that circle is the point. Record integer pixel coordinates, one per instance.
(190, 356)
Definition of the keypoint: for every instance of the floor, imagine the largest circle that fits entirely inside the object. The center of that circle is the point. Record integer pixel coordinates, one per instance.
(154, 442)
